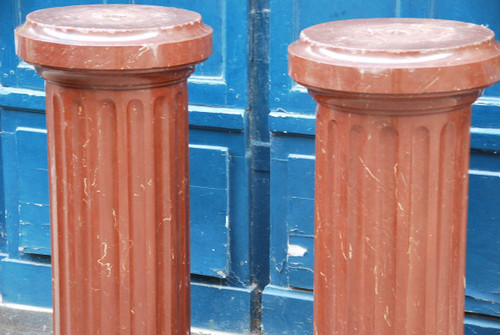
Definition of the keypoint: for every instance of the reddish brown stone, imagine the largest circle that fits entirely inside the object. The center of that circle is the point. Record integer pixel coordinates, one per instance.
(392, 153)
(118, 160)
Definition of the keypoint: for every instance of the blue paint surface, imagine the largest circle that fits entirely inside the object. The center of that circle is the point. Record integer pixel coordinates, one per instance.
(33, 190)
(287, 311)
(476, 325)
(483, 263)
(26, 200)
(209, 187)
(292, 185)
(300, 214)
(221, 307)
(26, 283)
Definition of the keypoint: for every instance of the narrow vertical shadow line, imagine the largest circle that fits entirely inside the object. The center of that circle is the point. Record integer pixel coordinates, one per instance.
(257, 139)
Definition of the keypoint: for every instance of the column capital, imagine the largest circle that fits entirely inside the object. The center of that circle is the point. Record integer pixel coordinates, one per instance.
(113, 37)
(395, 56)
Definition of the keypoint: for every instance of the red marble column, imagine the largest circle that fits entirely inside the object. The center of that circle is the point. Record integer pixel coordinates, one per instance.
(117, 132)
(392, 154)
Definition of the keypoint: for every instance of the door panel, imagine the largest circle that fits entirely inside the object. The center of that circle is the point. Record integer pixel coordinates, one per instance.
(209, 203)
(33, 191)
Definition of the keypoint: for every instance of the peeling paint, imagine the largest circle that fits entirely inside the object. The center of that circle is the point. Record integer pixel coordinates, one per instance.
(296, 250)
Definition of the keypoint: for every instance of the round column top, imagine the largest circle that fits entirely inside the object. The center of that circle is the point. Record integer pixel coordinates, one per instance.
(395, 56)
(113, 37)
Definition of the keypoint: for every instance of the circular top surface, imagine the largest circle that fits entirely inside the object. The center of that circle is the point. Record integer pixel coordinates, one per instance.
(395, 56)
(90, 35)
(111, 17)
(396, 35)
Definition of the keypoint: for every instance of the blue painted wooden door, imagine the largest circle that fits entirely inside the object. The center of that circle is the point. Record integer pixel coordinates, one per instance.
(252, 166)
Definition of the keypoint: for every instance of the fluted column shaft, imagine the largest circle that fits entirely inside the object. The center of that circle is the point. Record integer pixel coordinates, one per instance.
(394, 99)
(118, 162)
(391, 202)
(117, 130)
